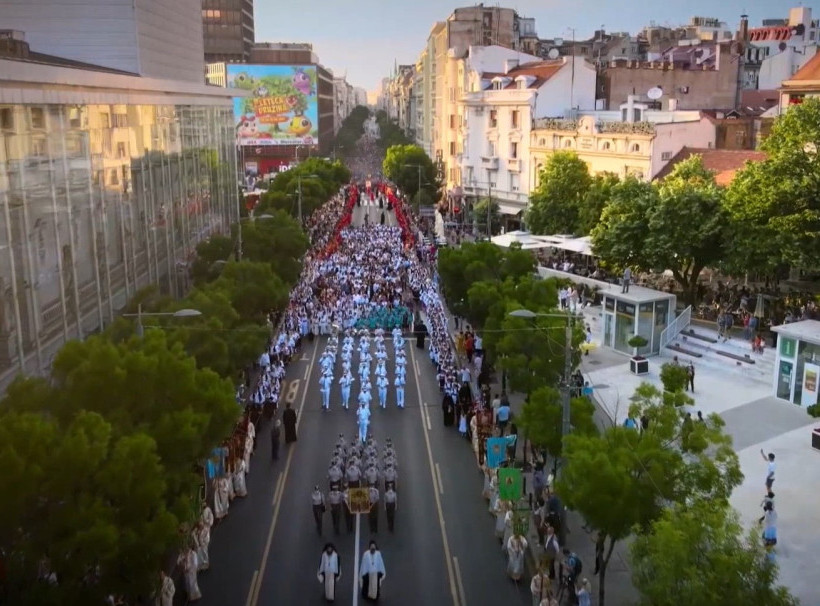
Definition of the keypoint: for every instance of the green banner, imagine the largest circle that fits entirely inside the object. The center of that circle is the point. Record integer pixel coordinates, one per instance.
(521, 522)
(510, 484)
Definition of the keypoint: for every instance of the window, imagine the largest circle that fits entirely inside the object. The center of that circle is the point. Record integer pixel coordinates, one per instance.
(452, 148)
(105, 121)
(38, 117)
(493, 118)
(605, 146)
(542, 142)
(522, 83)
(121, 151)
(38, 147)
(452, 94)
(513, 150)
(568, 143)
(497, 85)
(119, 120)
(514, 119)
(452, 120)
(514, 182)
(740, 137)
(7, 118)
(666, 156)
(635, 148)
(491, 149)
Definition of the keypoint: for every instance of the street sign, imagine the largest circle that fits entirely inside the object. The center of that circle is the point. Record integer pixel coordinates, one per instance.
(359, 500)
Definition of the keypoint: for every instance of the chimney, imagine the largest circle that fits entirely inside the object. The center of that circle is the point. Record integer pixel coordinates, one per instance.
(509, 65)
(743, 32)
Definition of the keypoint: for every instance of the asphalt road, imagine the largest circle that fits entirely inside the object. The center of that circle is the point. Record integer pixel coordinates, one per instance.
(443, 550)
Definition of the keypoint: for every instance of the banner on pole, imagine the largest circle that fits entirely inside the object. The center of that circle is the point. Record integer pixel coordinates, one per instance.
(359, 500)
(510, 484)
(496, 452)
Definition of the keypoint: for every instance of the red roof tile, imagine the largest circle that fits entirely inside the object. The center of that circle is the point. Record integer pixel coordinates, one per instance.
(809, 71)
(723, 162)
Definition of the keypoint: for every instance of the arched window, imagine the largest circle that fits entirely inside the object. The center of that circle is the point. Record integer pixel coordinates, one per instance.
(636, 148)
(567, 143)
(542, 142)
(605, 145)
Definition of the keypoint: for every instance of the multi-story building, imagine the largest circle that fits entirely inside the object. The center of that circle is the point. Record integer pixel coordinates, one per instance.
(228, 30)
(600, 49)
(262, 157)
(502, 99)
(691, 75)
(634, 140)
(107, 183)
(774, 52)
(153, 38)
(805, 83)
(344, 101)
(399, 100)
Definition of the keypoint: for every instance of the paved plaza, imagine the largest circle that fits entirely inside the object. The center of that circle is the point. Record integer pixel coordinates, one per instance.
(755, 420)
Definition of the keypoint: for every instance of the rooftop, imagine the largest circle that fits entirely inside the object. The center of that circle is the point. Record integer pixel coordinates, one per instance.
(810, 72)
(804, 330)
(723, 162)
(540, 70)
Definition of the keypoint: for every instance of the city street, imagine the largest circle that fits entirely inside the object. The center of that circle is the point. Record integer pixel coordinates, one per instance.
(443, 550)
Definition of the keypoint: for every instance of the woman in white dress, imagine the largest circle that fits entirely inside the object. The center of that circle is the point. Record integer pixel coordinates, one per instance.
(167, 589)
(207, 516)
(240, 486)
(516, 547)
(330, 571)
(500, 519)
(188, 562)
(487, 483)
(202, 540)
(508, 523)
(493, 491)
(249, 447)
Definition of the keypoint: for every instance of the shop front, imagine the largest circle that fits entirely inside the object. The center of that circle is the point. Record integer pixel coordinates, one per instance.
(797, 364)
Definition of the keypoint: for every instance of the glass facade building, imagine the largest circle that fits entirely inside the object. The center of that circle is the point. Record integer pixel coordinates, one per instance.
(98, 201)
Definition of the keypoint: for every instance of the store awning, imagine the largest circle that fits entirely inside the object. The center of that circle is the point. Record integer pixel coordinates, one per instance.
(509, 209)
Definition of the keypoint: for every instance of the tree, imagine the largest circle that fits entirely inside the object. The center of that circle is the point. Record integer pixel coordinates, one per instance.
(278, 241)
(775, 203)
(401, 164)
(206, 266)
(542, 419)
(595, 200)
(98, 466)
(562, 187)
(697, 555)
(480, 215)
(674, 377)
(253, 289)
(622, 479)
(680, 225)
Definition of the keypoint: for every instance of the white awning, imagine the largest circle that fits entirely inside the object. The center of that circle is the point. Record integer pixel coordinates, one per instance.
(509, 209)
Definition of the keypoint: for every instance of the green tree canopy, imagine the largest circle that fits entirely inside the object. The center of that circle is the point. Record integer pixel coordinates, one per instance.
(99, 465)
(278, 241)
(542, 419)
(680, 225)
(622, 479)
(209, 253)
(351, 130)
(480, 216)
(563, 184)
(595, 200)
(776, 203)
(400, 166)
(696, 554)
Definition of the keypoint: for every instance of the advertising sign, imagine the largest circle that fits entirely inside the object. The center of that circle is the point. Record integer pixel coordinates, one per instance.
(810, 374)
(283, 107)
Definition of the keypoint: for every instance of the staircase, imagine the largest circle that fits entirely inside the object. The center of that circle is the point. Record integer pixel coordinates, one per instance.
(701, 346)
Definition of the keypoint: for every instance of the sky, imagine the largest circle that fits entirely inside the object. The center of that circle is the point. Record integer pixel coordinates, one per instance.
(363, 38)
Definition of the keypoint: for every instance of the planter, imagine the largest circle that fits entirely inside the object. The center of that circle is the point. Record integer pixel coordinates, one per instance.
(638, 365)
(815, 438)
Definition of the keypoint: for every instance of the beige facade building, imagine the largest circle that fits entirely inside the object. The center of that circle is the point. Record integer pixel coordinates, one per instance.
(634, 141)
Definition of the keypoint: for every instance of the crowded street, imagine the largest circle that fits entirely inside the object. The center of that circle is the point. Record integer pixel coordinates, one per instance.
(442, 549)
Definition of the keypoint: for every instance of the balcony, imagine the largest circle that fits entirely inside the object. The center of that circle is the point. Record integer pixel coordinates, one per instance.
(514, 165)
(489, 162)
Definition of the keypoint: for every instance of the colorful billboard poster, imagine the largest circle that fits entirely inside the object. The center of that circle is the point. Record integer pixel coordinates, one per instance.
(283, 106)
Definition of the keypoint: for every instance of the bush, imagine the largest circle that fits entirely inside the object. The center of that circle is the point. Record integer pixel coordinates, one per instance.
(674, 377)
(813, 410)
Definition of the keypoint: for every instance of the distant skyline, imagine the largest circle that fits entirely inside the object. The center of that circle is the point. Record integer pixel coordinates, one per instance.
(363, 38)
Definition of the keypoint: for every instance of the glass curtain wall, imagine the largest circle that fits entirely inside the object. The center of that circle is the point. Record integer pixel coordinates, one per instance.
(96, 202)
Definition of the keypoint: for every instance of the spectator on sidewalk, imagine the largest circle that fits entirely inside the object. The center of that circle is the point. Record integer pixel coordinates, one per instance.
(552, 551)
(503, 415)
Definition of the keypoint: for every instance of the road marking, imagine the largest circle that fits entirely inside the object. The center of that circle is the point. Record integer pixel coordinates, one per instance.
(447, 556)
(292, 391)
(438, 479)
(460, 583)
(278, 506)
(304, 358)
(276, 492)
(416, 364)
(253, 587)
(427, 418)
(356, 561)
(307, 373)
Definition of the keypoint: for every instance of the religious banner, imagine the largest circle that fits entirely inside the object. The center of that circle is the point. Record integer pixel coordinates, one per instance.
(510, 484)
(359, 500)
(521, 520)
(496, 452)
(484, 427)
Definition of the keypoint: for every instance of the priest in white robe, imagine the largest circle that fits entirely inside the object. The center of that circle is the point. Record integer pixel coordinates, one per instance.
(167, 589)
(330, 571)
(202, 541)
(240, 487)
(516, 549)
(221, 502)
(207, 516)
(189, 563)
(372, 573)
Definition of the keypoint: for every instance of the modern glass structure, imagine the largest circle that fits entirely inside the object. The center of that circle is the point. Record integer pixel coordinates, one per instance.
(100, 199)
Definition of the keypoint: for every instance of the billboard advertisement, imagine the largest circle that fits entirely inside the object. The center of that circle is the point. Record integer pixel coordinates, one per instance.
(283, 107)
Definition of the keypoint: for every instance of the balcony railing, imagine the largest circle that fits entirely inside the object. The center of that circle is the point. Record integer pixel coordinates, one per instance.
(642, 128)
(489, 162)
(514, 165)
(556, 124)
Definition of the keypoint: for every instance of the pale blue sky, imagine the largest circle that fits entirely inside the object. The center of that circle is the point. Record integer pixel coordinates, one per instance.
(363, 37)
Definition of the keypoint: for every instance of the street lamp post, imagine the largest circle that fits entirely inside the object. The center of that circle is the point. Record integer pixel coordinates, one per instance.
(182, 313)
(566, 421)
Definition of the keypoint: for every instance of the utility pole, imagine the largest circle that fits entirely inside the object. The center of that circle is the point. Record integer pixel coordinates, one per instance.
(566, 424)
(489, 208)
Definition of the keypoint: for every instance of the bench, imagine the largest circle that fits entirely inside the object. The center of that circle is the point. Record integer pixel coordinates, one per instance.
(688, 352)
(747, 359)
(694, 335)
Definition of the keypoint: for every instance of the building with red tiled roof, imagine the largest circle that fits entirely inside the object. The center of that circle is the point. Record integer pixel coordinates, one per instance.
(805, 83)
(723, 162)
